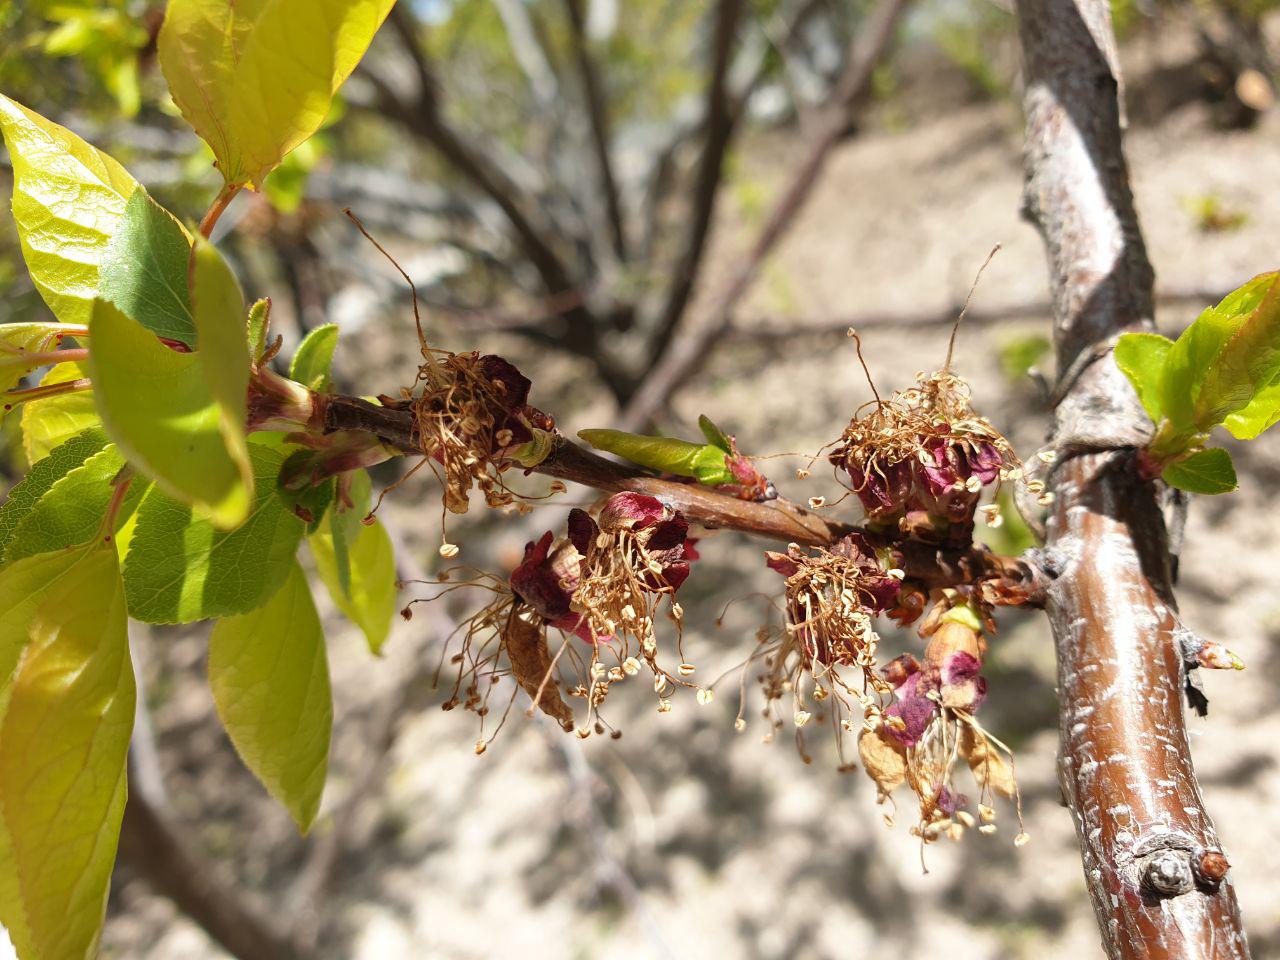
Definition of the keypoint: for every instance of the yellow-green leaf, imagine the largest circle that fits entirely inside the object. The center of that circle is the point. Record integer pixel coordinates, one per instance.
(219, 310)
(68, 199)
(68, 703)
(156, 405)
(313, 359)
(256, 77)
(23, 347)
(1141, 356)
(369, 597)
(52, 421)
(270, 681)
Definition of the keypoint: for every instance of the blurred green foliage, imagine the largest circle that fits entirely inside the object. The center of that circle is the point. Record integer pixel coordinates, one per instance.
(1018, 354)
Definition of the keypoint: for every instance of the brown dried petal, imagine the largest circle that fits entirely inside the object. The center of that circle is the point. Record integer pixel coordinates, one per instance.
(530, 664)
(990, 767)
(884, 759)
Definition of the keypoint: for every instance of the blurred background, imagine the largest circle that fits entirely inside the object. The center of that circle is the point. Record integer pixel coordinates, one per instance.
(656, 209)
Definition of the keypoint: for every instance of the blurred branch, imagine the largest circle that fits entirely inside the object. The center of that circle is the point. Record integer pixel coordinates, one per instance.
(720, 118)
(678, 353)
(528, 52)
(769, 329)
(424, 117)
(598, 121)
(155, 846)
(1152, 864)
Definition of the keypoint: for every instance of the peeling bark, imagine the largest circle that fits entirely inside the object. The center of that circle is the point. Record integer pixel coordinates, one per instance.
(1152, 864)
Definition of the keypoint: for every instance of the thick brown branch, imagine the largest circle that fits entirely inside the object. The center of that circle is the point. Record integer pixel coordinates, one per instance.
(1125, 764)
(683, 352)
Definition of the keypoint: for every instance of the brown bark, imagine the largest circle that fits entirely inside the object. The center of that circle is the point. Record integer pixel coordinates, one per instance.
(1151, 859)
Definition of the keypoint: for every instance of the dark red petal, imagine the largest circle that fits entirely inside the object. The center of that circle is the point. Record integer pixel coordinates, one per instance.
(514, 391)
(546, 578)
(582, 529)
(781, 563)
(631, 510)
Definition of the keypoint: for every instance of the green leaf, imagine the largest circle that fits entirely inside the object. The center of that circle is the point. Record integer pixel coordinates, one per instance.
(259, 325)
(144, 270)
(345, 524)
(42, 476)
(52, 421)
(715, 436)
(256, 77)
(1205, 471)
(685, 459)
(310, 500)
(1249, 360)
(224, 346)
(1260, 414)
(1230, 352)
(369, 596)
(156, 404)
(18, 341)
(181, 569)
(314, 357)
(67, 705)
(68, 199)
(1141, 357)
(72, 510)
(270, 683)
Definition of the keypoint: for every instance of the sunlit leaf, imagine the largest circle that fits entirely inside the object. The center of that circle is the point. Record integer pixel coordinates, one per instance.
(270, 681)
(44, 474)
(1248, 361)
(49, 422)
(23, 346)
(144, 270)
(224, 346)
(180, 568)
(715, 436)
(68, 705)
(1141, 356)
(369, 597)
(1205, 471)
(71, 511)
(314, 358)
(1261, 413)
(259, 323)
(156, 405)
(256, 77)
(68, 199)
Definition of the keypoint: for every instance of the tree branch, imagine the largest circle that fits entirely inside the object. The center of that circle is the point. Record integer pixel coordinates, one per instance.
(152, 845)
(1018, 580)
(680, 355)
(720, 120)
(425, 119)
(598, 120)
(1151, 859)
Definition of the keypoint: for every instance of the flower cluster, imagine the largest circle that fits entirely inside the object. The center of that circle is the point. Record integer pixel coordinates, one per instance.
(602, 587)
(930, 727)
(831, 596)
(920, 460)
(473, 421)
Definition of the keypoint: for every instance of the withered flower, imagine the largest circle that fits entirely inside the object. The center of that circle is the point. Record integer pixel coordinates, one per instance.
(473, 420)
(920, 460)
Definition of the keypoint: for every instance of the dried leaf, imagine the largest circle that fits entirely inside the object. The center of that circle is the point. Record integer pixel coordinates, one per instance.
(990, 767)
(531, 665)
